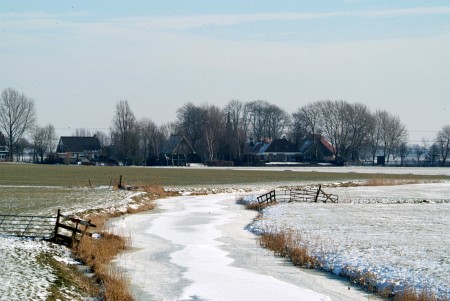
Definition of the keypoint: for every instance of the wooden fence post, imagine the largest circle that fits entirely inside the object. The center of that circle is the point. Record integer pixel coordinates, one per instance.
(58, 216)
(318, 191)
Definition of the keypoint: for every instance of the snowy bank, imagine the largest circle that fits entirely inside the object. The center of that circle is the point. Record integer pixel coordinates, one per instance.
(389, 232)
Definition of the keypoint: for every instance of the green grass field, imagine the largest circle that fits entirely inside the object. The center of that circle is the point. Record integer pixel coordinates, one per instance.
(82, 176)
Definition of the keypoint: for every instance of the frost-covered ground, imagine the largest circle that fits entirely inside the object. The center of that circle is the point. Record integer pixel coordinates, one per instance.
(22, 275)
(400, 234)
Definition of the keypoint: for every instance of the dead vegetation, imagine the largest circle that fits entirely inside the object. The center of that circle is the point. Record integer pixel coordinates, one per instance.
(98, 253)
(411, 294)
(258, 207)
(392, 182)
(291, 245)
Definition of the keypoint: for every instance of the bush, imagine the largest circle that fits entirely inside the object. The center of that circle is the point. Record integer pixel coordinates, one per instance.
(220, 163)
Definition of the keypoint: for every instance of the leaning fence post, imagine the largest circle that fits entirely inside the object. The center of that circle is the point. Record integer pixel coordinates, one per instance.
(317, 194)
(56, 225)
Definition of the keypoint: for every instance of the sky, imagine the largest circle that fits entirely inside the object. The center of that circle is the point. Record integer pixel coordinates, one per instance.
(77, 59)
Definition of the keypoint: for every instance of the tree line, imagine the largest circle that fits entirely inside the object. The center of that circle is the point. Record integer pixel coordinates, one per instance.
(355, 132)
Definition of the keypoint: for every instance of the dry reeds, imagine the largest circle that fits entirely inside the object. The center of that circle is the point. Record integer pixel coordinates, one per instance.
(98, 253)
(411, 294)
(289, 245)
(391, 182)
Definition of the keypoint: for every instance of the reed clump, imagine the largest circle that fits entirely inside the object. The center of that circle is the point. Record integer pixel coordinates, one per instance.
(290, 245)
(391, 182)
(412, 294)
(97, 254)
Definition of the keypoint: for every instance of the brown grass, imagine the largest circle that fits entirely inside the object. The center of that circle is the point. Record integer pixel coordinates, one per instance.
(289, 245)
(98, 253)
(411, 294)
(391, 182)
(259, 207)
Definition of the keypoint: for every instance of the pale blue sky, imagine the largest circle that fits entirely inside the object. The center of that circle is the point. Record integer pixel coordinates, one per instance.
(78, 58)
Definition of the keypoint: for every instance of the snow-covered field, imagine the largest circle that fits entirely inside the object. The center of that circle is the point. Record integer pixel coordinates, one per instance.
(399, 234)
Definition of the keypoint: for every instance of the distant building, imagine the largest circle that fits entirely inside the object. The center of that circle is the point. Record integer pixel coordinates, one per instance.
(278, 150)
(3, 148)
(317, 148)
(178, 152)
(74, 149)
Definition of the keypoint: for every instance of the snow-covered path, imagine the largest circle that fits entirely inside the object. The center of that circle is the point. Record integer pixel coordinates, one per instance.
(196, 248)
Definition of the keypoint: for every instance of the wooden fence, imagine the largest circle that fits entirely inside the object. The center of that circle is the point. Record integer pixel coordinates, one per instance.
(266, 199)
(297, 195)
(41, 227)
(59, 229)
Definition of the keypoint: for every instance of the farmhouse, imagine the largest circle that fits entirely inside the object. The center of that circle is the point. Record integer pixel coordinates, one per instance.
(79, 149)
(178, 152)
(277, 150)
(317, 148)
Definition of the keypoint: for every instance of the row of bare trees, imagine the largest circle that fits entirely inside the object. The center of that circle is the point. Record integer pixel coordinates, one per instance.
(353, 129)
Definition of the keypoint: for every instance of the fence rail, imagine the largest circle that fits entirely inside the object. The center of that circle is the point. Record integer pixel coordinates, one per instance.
(27, 226)
(58, 229)
(297, 195)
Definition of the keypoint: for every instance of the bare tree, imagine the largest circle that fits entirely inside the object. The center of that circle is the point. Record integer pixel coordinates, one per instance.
(17, 116)
(403, 151)
(265, 120)
(236, 137)
(44, 140)
(190, 121)
(433, 153)
(306, 122)
(443, 142)
(213, 130)
(151, 141)
(124, 133)
(375, 134)
(335, 125)
(170, 128)
(82, 132)
(256, 115)
(393, 133)
(418, 150)
(360, 125)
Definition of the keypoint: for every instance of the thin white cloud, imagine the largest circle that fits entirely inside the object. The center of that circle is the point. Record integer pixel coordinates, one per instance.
(404, 12)
(196, 21)
(199, 21)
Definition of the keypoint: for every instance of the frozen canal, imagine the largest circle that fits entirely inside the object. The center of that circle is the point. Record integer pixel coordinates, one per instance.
(197, 248)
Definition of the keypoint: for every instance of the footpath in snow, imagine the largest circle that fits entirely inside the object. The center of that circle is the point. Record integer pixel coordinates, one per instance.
(197, 248)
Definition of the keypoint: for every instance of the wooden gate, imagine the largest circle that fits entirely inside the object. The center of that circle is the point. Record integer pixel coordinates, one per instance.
(59, 229)
(40, 227)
